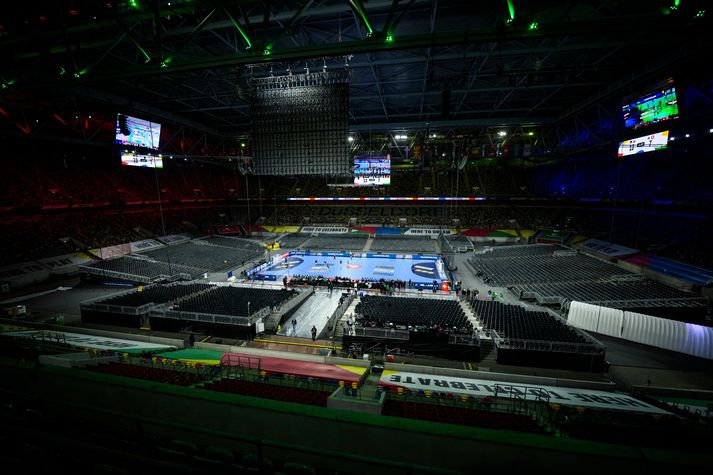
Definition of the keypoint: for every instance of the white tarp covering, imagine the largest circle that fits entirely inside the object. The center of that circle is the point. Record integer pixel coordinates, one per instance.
(610, 321)
(696, 340)
(699, 341)
(583, 315)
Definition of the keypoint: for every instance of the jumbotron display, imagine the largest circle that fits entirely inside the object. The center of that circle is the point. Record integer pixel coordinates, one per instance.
(653, 108)
(132, 159)
(372, 171)
(141, 133)
(647, 143)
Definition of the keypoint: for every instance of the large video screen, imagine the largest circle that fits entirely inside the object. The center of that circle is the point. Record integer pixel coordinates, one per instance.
(647, 143)
(372, 170)
(142, 133)
(133, 159)
(658, 106)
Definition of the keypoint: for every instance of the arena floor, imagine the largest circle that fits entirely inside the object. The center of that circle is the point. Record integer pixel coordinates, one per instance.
(421, 272)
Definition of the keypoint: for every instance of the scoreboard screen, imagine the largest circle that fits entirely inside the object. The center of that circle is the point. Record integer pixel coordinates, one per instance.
(647, 143)
(142, 133)
(132, 159)
(372, 171)
(658, 106)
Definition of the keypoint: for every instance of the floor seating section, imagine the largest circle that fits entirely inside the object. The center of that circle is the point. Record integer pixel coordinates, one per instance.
(552, 273)
(644, 293)
(516, 322)
(155, 294)
(382, 311)
(138, 269)
(203, 256)
(506, 266)
(234, 301)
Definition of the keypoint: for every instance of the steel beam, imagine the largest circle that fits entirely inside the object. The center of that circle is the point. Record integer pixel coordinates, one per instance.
(586, 28)
(452, 123)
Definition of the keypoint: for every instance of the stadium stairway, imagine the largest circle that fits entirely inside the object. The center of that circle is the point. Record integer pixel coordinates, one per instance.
(488, 357)
(469, 314)
(368, 244)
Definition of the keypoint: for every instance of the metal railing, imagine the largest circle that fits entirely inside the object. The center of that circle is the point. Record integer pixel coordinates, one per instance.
(211, 317)
(331, 325)
(590, 348)
(466, 340)
(381, 333)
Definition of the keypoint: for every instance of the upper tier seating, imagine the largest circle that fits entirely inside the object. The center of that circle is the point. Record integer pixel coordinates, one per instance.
(386, 243)
(139, 270)
(537, 264)
(336, 242)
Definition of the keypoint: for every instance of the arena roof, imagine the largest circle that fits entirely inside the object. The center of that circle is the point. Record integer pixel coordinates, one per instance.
(446, 63)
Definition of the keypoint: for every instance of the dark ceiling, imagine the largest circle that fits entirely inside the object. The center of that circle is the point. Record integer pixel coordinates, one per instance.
(447, 63)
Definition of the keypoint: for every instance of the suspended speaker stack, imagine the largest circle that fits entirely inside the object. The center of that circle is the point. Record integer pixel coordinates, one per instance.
(300, 124)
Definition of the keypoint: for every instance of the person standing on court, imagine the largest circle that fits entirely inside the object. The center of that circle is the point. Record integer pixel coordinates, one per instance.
(314, 333)
(294, 326)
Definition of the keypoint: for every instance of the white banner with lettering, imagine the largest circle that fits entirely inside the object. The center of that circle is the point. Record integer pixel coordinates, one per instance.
(427, 231)
(325, 229)
(481, 387)
(91, 341)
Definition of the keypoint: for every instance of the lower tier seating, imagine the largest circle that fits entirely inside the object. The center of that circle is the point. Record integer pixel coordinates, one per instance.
(269, 391)
(149, 373)
(460, 416)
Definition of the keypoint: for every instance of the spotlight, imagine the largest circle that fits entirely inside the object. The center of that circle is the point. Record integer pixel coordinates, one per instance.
(502, 133)
(688, 135)
(350, 139)
(531, 134)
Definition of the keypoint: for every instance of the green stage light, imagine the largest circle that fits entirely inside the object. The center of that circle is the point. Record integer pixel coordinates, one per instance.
(700, 13)
(511, 10)
(240, 30)
(134, 4)
(62, 71)
(389, 38)
(533, 26)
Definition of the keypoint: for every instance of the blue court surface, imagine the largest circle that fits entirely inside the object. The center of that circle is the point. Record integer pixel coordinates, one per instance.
(420, 270)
